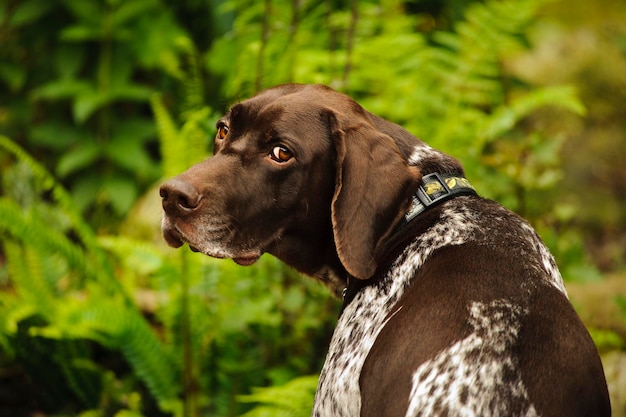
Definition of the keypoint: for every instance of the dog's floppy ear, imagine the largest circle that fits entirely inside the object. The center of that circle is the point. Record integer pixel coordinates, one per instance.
(372, 190)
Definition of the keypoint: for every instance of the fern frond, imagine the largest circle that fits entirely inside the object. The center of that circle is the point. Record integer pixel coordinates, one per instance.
(192, 79)
(81, 373)
(293, 399)
(24, 266)
(34, 232)
(182, 148)
(467, 61)
(48, 183)
(109, 322)
(138, 255)
(172, 148)
(194, 136)
(148, 357)
(504, 118)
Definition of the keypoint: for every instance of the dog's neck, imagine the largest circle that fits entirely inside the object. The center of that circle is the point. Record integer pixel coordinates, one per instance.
(434, 190)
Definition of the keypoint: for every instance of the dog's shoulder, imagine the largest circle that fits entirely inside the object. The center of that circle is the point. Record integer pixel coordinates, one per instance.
(481, 234)
(467, 287)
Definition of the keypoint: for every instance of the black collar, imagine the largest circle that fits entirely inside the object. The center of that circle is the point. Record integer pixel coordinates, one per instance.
(435, 189)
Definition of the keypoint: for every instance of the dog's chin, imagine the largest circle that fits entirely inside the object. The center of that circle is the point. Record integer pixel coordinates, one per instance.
(243, 258)
(176, 238)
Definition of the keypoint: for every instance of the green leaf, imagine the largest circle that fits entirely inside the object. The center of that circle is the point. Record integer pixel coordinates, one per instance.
(137, 255)
(128, 413)
(563, 96)
(607, 340)
(131, 92)
(58, 135)
(32, 229)
(128, 152)
(69, 60)
(129, 10)
(89, 12)
(77, 158)
(85, 190)
(13, 75)
(28, 11)
(87, 103)
(121, 193)
(505, 117)
(49, 184)
(136, 128)
(172, 150)
(80, 33)
(109, 321)
(62, 89)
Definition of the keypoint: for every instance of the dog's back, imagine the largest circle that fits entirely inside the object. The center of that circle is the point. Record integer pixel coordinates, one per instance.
(470, 319)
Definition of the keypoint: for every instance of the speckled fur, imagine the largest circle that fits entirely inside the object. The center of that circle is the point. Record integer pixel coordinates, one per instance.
(476, 376)
(338, 391)
(449, 379)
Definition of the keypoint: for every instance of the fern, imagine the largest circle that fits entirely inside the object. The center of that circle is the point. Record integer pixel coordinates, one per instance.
(24, 267)
(29, 227)
(98, 309)
(182, 148)
(48, 183)
(453, 89)
(172, 152)
(32, 230)
(466, 68)
(187, 145)
(505, 117)
(82, 375)
(191, 76)
(36, 297)
(293, 399)
(107, 322)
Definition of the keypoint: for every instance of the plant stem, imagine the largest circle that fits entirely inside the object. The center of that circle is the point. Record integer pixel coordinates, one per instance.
(265, 30)
(190, 381)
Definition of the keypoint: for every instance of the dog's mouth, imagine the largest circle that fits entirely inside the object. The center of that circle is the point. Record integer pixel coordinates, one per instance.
(176, 238)
(172, 237)
(244, 260)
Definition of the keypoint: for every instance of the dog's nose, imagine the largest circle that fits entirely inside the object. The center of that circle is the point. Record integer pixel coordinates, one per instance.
(179, 197)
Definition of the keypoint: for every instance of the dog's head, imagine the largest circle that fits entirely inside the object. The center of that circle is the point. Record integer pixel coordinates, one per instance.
(301, 172)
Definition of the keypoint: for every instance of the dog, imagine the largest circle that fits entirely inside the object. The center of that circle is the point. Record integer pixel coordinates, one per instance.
(452, 305)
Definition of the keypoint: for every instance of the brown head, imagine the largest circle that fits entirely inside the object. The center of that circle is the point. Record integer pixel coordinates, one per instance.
(301, 172)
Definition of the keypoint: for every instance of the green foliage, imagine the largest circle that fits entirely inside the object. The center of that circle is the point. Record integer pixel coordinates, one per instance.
(87, 64)
(108, 97)
(87, 293)
(607, 340)
(451, 88)
(70, 290)
(293, 399)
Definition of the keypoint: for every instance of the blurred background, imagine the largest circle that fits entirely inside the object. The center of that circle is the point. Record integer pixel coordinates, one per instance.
(101, 100)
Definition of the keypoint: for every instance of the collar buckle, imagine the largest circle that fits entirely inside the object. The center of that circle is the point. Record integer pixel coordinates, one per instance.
(436, 188)
(433, 189)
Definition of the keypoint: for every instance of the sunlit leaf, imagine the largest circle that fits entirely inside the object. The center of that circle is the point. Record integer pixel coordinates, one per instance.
(77, 158)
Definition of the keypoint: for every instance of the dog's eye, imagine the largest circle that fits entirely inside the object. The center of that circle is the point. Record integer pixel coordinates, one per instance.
(281, 154)
(222, 131)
